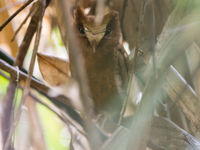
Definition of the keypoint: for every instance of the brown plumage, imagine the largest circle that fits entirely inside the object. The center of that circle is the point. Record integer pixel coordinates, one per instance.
(105, 60)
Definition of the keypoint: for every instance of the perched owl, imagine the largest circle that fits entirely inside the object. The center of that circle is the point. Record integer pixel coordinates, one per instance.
(104, 60)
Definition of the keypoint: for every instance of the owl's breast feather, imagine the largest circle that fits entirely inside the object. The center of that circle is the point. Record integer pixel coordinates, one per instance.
(101, 77)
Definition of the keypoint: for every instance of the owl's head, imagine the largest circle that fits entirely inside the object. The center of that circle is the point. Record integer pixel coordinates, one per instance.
(108, 30)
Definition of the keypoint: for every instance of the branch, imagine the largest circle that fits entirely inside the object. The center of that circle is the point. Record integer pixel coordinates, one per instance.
(41, 9)
(62, 7)
(60, 101)
(125, 2)
(17, 12)
(61, 113)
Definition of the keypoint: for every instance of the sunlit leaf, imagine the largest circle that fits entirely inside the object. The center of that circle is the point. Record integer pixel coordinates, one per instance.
(55, 71)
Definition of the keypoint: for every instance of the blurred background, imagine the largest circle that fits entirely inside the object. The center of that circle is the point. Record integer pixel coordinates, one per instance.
(54, 133)
(166, 35)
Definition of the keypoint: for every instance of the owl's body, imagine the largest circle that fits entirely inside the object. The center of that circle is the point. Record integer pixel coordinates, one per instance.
(105, 61)
(104, 77)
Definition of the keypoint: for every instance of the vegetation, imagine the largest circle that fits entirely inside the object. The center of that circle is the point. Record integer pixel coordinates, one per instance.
(44, 108)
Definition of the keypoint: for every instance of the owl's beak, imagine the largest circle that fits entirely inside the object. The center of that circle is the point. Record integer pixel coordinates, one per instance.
(94, 45)
(94, 38)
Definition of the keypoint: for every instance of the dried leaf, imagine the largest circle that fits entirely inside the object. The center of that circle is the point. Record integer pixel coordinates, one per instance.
(54, 70)
(188, 100)
(7, 33)
(164, 135)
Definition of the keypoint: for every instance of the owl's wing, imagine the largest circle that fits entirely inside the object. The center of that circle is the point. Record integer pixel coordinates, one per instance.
(122, 62)
(122, 67)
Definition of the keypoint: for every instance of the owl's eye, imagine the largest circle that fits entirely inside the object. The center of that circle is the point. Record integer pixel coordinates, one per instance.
(108, 30)
(82, 30)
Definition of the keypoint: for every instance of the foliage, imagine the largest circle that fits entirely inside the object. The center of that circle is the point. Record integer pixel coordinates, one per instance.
(163, 40)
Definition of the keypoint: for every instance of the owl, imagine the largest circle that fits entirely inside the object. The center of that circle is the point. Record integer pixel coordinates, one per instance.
(105, 60)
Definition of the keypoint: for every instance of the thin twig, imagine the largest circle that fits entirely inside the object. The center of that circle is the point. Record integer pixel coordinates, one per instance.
(100, 5)
(122, 18)
(28, 36)
(27, 83)
(59, 112)
(154, 37)
(32, 64)
(9, 97)
(7, 115)
(4, 75)
(10, 6)
(17, 12)
(140, 20)
(80, 74)
(60, 101)
(77, 61)
(22, 76)
(35, 83)
(21, 25)
(37, 130)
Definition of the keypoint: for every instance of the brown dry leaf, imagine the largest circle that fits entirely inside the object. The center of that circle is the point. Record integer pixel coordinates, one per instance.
(7, 33)
(54, 70)
(164, 135)
(188, 101)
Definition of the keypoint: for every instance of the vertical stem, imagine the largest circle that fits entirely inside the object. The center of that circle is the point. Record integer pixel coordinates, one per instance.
(7, 115)
(41, 6)
(80, 74)
(122, 18)
(154, 37)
